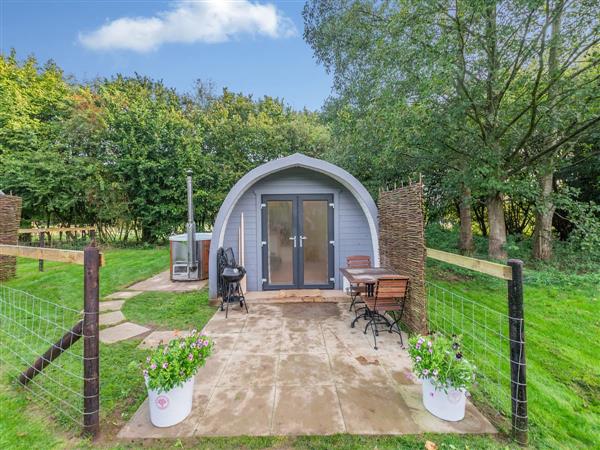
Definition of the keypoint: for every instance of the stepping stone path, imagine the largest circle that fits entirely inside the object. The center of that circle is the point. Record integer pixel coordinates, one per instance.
(121, 332)
(123, 294)
(113, 305)
(118, 330)
(111, 318)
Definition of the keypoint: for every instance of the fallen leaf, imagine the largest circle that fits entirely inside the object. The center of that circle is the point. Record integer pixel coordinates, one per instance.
(430, 445)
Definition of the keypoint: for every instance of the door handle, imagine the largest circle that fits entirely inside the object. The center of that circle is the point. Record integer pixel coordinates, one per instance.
(302, 239)
(293, 238)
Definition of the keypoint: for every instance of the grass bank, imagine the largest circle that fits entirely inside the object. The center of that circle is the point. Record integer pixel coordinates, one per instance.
(562, 322)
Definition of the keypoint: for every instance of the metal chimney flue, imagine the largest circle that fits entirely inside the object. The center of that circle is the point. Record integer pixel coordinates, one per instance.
(191, 227)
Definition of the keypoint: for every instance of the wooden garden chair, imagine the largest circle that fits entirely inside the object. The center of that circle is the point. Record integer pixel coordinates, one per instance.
(390, 297)
(357, 289)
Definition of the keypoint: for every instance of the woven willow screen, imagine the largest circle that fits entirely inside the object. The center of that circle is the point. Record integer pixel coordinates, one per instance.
(10, 217)
(402, 246)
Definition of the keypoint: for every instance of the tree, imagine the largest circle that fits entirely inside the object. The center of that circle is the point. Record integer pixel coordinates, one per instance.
(483, 63)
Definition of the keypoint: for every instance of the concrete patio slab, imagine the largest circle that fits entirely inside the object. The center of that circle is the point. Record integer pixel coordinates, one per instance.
(210, 374)
(224, 343)
(307, 410)
(113, 305)
(123, 295)
(261, 324)
(304, 369)
(306, 341)
(162, 282)
(313, 374)
(372, 409)
(218, 327)
(245, 411)
(255, 343)
(111, 318)
(241, 370)
(121, 332)
(357, 371)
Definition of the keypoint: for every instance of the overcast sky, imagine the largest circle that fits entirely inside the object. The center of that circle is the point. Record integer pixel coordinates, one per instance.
(254, 47)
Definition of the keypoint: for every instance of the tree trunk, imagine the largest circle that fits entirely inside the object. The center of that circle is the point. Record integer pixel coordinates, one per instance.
(479, 211)
(465, 243)
(542, 234)
(497, 227)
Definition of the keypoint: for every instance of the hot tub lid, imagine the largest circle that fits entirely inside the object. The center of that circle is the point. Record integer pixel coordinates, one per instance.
(183, 237)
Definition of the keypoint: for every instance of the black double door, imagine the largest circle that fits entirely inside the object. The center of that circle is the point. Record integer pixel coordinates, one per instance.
(297, 241)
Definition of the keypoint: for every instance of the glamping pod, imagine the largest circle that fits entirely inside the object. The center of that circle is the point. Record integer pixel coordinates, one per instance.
(292, 222)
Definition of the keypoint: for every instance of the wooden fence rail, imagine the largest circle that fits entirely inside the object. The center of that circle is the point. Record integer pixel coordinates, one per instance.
(44, 233)
(48, 254)
(478, 265)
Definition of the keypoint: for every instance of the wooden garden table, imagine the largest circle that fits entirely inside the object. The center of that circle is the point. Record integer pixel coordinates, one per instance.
(368, 276)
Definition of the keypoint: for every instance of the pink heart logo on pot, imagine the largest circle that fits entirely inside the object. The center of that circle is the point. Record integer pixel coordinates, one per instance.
(162, 402)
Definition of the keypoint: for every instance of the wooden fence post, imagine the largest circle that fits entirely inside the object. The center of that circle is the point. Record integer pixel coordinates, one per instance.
(91, 348)
(42, 245)
(518, 384)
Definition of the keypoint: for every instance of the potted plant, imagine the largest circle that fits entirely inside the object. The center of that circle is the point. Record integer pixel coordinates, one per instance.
(169, 373)
(446, 375)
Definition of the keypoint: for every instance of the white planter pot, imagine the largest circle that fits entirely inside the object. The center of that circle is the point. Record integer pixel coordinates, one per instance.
(448, 406)
(170, 407)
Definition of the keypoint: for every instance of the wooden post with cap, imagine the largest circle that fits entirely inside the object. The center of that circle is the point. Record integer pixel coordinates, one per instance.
(518, 383)
(91, 341)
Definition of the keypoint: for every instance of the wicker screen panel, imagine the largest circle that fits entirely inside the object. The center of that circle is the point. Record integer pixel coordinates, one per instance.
(402, 246)
(10, 217)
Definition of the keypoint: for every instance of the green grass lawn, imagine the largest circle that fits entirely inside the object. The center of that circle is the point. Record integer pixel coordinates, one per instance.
(562, 325)
(562, 353)
(169, 311)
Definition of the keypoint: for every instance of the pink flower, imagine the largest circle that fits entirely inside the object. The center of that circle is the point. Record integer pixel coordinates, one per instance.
(193, 345)
(418, 359)
(190, 357)
(145, 373)
(205, 343)
(153, 366)
(165, 365)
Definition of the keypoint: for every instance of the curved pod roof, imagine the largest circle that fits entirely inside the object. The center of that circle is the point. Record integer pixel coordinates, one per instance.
(343, 177)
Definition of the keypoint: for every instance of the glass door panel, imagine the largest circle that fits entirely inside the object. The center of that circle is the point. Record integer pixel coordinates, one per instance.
(315, 242)
(281, 242)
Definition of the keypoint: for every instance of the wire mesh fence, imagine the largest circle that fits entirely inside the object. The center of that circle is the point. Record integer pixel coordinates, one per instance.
(487, 341)
(29, 327)
(51, 350)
